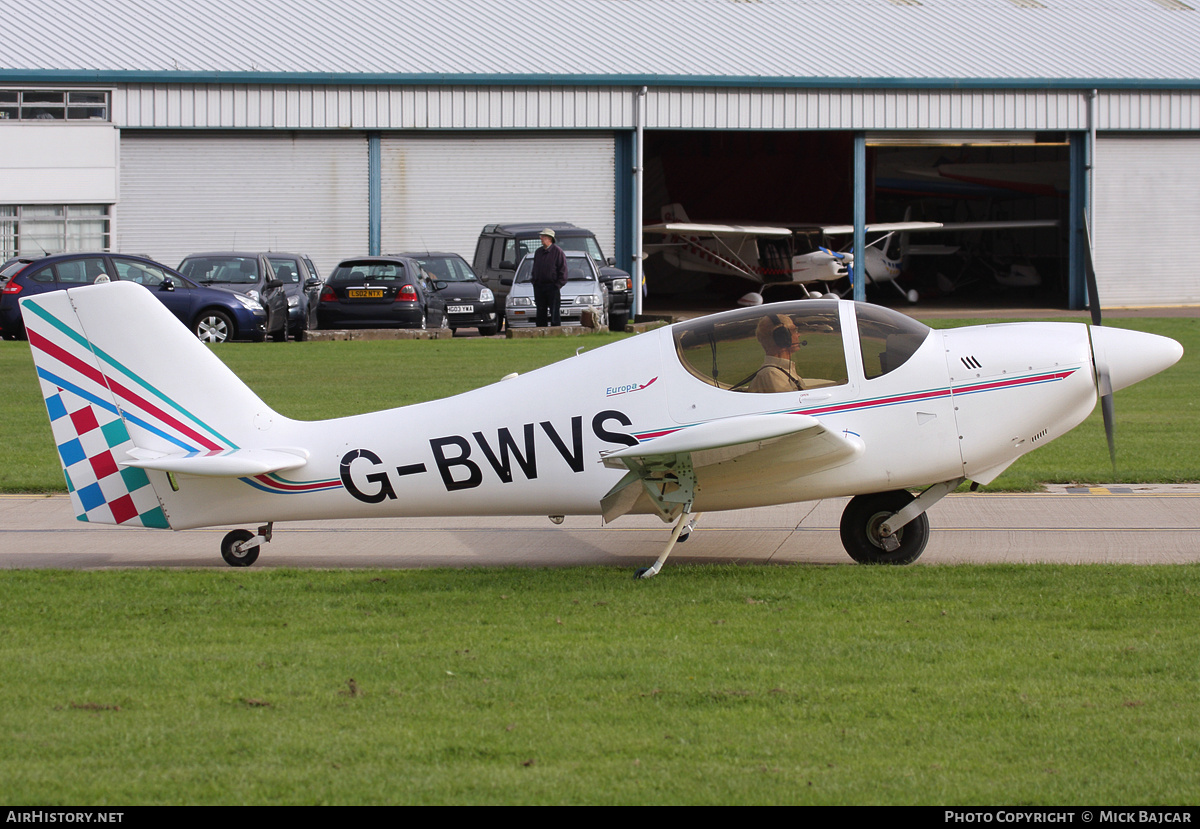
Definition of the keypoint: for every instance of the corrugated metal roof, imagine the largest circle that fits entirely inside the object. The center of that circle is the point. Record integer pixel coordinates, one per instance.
(578, 41)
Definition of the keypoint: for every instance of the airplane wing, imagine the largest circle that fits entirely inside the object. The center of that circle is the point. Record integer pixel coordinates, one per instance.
(729, 455)
(882, 227)
(952, 227)
(715, 248)
(940, 227)
(719, 231)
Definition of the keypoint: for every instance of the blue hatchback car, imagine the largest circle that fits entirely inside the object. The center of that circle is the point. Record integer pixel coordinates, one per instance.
(213, 314)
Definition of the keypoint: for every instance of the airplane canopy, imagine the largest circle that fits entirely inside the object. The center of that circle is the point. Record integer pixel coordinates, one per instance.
(794, 346)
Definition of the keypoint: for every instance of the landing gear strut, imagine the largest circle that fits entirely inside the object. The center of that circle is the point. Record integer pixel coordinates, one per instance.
(239, 548)
(683, 528)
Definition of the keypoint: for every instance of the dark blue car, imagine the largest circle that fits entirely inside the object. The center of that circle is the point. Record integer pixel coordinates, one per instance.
(213, 314)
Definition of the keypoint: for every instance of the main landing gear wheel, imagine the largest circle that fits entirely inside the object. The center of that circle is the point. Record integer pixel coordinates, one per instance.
(232, 552)
(860, 529)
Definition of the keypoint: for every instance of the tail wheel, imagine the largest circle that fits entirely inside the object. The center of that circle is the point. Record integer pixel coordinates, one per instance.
(231, 549)
(860, 529)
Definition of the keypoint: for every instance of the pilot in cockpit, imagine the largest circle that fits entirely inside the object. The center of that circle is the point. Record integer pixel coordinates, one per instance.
(779, 338)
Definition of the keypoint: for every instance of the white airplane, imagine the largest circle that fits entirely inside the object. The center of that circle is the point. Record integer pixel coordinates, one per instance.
(801, 254)
(779, 403)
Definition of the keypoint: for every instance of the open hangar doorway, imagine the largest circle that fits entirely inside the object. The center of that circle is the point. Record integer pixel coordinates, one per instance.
(739, 177)
(1013, 185)
(794, 178)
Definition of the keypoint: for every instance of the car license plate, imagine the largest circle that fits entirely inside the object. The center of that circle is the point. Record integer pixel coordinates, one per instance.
(365, 293)
(460, 309)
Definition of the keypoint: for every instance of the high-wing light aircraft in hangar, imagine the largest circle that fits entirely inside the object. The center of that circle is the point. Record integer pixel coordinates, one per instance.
(766, 405)
(802, 254)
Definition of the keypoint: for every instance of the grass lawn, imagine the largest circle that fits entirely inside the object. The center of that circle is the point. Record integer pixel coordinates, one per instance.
(972, 685)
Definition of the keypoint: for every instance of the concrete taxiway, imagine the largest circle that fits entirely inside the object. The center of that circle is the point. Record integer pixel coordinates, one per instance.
(1128, 524)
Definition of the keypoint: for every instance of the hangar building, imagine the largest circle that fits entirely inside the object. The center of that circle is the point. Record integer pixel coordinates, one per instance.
(339, 128)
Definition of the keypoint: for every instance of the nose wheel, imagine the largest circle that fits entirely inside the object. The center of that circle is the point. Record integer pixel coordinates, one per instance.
(240, 548)
(864, 539)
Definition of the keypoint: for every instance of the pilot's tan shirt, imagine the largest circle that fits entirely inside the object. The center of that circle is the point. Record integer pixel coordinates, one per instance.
(776, 375)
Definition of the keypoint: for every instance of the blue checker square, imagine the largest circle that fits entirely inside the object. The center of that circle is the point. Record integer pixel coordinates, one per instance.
(72, 452)
(91, 497)
(55, 407)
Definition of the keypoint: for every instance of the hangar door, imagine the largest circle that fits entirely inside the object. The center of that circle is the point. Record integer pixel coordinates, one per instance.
(439, 190)
(1147, 198)
(183, 193)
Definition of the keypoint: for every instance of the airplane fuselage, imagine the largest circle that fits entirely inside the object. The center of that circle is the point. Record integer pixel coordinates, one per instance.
(762, 405)
(966, 404)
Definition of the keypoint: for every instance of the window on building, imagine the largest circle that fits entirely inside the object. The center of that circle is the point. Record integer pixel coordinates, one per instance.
(39, 229)
(53, 105)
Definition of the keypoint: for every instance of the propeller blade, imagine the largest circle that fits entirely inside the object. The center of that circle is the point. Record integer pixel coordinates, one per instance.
(1103, 380)
(1089, 268)
(1104, 388)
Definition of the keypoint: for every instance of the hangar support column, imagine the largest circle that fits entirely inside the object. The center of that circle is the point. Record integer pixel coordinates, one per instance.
(860, 216)
(374, 195)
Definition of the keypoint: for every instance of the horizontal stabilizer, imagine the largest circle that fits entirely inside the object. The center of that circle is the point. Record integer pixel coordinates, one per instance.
(228, 463)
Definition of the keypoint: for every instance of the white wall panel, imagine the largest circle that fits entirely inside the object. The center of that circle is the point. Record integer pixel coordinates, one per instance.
(58, 163)
(440, 190)
(612, 107)
(184, 192)
(1147, 198)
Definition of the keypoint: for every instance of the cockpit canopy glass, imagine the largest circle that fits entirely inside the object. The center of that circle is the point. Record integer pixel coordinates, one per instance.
(785, 347)
(887, 339)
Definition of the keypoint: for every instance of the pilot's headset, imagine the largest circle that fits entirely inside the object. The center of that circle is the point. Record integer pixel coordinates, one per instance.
(780, 334)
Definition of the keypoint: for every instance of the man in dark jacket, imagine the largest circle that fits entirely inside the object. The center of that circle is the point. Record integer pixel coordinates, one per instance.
(548, 277)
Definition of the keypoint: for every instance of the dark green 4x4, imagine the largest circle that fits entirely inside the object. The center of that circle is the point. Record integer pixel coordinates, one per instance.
(501, 247)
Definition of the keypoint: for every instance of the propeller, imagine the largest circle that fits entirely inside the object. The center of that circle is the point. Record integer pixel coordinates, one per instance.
(1103, 377)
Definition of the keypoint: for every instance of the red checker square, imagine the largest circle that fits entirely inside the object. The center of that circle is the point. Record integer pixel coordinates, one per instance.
(103, 465)
(84, 420)
(123, 509)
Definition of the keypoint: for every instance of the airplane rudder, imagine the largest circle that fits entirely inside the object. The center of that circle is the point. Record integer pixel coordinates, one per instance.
(91, 439)
(89, 431)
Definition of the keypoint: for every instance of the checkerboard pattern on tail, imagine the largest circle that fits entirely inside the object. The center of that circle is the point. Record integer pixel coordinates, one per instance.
(91, 441)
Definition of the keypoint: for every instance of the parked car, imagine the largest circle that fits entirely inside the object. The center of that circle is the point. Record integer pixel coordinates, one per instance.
(501, 246)
(584, 291)
(244, 273)
(213, 315)
(469, 304)
(380, 292)
(302, 284)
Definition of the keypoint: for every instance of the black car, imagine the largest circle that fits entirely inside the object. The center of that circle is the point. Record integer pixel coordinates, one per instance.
(302, 284)
(244, 273)
(502, 246)
(469, 304)
(380, 292)
(212, 314)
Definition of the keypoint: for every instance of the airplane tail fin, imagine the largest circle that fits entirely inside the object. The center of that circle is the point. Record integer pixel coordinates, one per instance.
(674, 212)
(114, 399)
